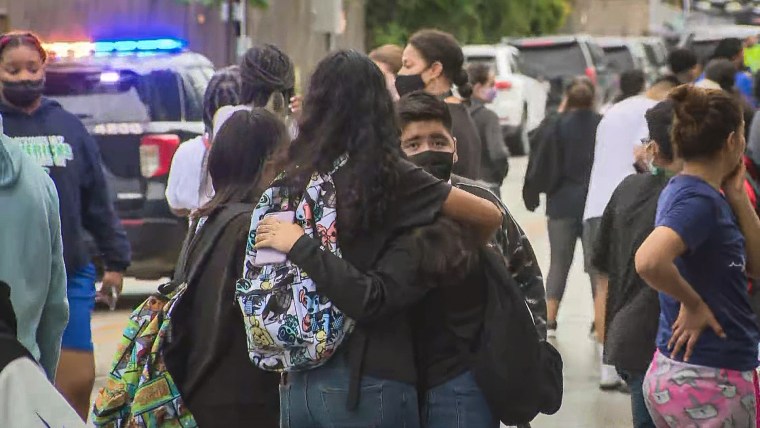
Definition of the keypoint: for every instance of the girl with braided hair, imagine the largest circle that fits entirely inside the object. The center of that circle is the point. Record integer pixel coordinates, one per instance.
(188, 186)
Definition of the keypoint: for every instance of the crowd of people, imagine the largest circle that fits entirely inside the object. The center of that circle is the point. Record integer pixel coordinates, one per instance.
(669, 229)
(353, 263)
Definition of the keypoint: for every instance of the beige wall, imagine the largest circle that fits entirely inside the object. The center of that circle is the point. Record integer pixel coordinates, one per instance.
(609, 17)
(286, 23)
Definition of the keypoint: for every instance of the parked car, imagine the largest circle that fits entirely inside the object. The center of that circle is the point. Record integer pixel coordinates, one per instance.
(657, 53)
(139, 105)
(559, 59)
(521, 100)
(624, 54)
(703, 40)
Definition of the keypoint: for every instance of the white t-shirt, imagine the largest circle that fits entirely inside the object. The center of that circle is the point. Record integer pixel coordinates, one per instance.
(183, 190)
(618, 134)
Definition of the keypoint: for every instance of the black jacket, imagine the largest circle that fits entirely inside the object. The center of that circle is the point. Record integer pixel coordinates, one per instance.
(544, 163)
(208, 354)
(469, 146)
(633, 308)
(494, 157)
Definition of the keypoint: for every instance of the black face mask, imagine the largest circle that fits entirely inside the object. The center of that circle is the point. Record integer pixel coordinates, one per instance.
(437, 164)
(23, 93)
(409, 83)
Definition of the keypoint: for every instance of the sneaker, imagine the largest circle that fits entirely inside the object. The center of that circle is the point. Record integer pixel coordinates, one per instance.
(551, 329)
(609, 379)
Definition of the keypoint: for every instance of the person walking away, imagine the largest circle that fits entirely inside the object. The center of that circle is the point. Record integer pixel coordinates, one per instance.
(27, 398)
(208, 355)
(494, 162)
(568, 148)
(433, 62)
(31, 225)
(388, 59)
(705, 244)
(618, 153)
(632, 83)
(732, 49)
(684, 65)
(632, 308)
(379, 196)
(188, 186)
(60, 143)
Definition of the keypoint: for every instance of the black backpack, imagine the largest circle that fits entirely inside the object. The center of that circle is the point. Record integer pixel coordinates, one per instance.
(519, 374)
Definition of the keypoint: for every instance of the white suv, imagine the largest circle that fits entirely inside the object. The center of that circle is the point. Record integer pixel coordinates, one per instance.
(521, 100)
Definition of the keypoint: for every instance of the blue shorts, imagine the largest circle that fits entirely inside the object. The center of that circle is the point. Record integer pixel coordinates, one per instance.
(81, 293)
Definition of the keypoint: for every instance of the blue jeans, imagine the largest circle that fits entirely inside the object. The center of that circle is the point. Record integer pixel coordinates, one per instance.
(318, 398)
(458, 403)
(635, 381)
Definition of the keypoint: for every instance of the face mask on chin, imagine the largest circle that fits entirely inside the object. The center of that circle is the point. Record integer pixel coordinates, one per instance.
(23, 93)
(437, 164)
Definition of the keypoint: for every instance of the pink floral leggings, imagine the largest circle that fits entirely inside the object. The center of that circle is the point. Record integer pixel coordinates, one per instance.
(685, 395)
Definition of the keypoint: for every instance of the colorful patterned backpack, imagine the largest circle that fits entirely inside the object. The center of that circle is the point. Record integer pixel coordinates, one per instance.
(289, 326)
(140, 392)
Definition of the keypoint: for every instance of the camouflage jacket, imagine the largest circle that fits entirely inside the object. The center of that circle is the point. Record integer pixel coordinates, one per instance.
(516, 248)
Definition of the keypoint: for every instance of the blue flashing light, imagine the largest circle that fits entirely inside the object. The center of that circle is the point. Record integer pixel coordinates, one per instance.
(150, 45)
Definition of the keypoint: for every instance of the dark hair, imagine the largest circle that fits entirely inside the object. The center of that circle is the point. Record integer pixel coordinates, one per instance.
(449, 250)
(348, 110)
(266, 70)
(439, 46)
(580, 95)
(660, 124)
(667, 80)
(237, 157)
(223, 90)
(390, 55)
(420, 106)
(632, 82)
(682, 60)
(722, 72)
(728, 48)
(16, 39)
(704, 119)
(479, 73)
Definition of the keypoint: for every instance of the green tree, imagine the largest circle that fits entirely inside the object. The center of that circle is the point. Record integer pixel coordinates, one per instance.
(471, 21)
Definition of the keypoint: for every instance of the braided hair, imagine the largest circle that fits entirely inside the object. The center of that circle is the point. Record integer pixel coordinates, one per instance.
(223, 90)
(266, 71)
(15, 39)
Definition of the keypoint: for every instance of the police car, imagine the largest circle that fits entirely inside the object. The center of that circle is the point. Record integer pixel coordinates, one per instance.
(139, 99)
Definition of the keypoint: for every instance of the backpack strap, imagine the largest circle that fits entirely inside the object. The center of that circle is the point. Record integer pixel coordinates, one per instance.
(212, 233)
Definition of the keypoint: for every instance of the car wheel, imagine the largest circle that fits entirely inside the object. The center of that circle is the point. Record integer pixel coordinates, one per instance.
(517, 143)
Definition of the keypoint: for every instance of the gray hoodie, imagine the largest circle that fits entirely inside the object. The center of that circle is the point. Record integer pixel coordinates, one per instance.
(31, 253)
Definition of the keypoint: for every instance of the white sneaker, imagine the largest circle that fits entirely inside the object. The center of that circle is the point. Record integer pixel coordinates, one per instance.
(609, 379)
(551, 330)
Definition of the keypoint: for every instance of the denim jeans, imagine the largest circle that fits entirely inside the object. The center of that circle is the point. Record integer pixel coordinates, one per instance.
(318, 398)
(458, 403)
(635, 381)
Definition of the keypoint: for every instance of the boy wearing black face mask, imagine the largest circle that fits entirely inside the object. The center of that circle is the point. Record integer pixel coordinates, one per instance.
(427, 141)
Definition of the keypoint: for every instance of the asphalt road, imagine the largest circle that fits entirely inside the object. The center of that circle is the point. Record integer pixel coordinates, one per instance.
(585, 406)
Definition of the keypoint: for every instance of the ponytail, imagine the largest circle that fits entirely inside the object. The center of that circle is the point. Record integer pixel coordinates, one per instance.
(463, 84)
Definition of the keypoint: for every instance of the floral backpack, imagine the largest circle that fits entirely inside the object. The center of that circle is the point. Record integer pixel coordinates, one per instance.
(140, 392)
(289, 326)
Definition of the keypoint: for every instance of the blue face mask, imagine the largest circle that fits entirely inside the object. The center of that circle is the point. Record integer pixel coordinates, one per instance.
(489, 95)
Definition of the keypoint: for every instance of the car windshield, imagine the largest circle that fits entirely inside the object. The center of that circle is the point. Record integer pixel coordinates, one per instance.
(488, 60)
(553, 61)
(619, 59)
(95, 97)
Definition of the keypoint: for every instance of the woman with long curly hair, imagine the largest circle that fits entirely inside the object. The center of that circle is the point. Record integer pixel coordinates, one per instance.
(380, 195)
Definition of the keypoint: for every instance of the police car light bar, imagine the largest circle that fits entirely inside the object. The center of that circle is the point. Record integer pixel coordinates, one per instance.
(82, 49)
(109, 77)
(150, 45)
